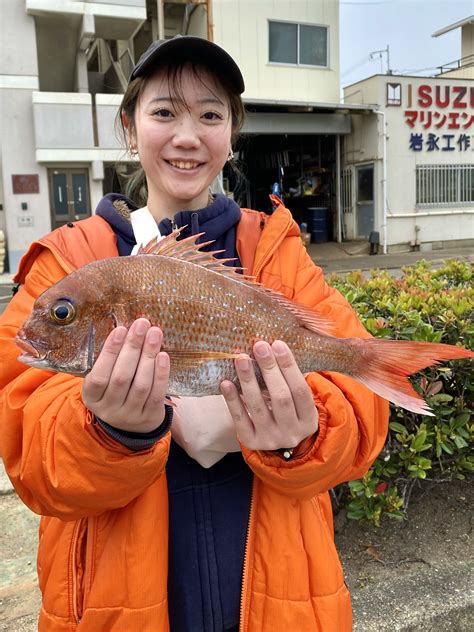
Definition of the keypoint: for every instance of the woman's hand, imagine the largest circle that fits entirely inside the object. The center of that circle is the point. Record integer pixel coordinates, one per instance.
(293, 416)
(128, 383)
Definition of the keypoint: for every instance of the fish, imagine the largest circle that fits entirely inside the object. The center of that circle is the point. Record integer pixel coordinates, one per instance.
(210, 313)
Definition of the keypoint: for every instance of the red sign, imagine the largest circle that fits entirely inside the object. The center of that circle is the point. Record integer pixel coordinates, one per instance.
(27, 183)
(455, 102)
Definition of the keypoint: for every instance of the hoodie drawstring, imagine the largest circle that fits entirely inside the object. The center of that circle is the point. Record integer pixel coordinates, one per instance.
(195, 225)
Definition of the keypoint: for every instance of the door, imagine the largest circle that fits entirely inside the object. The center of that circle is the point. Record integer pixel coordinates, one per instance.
(69, 195)
(365, 201)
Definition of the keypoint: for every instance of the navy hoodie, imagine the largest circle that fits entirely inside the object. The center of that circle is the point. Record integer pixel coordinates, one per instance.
(208, 508)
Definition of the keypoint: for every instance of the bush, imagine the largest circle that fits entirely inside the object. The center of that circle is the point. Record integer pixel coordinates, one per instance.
(427, 305)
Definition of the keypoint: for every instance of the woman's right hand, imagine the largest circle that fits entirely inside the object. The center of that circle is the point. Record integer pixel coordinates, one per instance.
(128, 383)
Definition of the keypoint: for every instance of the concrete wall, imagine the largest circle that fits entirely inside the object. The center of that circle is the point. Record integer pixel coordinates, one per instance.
(18, 80)
(107, 106)
(467, 40)
(56, 44)
(435, 223)
(62, 120)
(241, 27)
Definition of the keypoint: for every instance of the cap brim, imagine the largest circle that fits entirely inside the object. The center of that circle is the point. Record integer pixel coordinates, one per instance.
(196, 49)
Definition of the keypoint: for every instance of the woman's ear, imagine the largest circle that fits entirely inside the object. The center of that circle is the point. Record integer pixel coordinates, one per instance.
(129, 130)
(125, 121)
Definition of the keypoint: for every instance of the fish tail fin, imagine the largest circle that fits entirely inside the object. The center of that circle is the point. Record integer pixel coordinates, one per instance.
(384, 365)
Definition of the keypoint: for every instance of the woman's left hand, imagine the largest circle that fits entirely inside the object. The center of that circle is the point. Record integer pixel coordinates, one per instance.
(293, 415)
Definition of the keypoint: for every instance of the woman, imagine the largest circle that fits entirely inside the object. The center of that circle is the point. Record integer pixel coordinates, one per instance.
(217, 515)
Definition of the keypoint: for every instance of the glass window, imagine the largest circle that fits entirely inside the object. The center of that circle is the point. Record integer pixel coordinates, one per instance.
(298, 44)
(313, 45)
(283, 43)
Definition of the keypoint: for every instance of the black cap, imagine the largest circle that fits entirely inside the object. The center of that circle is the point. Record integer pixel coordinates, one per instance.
(188, 47)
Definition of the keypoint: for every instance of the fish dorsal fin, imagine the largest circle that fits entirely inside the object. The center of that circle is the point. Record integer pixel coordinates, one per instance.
(188, 250)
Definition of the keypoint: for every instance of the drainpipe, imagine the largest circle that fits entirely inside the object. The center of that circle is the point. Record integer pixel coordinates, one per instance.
(160, 19)
(338, 189)
(384, 179)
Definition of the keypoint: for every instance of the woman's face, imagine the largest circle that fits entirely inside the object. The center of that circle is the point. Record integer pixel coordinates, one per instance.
(181, 149)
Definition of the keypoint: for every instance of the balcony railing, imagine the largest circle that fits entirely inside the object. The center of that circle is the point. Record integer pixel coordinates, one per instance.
(457, 64)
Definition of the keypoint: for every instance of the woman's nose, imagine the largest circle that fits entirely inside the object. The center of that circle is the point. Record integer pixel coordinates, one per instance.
(186, 133)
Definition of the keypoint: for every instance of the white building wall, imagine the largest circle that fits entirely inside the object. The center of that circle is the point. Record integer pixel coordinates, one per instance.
(241, 27)
(18, 80)
(408, 221)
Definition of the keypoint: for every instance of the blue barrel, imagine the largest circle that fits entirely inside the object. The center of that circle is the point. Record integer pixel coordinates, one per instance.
(319, 224)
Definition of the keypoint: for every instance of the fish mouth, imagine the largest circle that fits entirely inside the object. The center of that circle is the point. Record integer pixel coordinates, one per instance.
(33, 354)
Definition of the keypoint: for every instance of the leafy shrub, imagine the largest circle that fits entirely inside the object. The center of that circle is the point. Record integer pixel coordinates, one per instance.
(426, 305)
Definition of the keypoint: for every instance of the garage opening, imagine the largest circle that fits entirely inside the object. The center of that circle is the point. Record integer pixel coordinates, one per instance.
(301, 169)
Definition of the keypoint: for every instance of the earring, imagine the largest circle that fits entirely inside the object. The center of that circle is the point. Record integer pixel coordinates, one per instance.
(231, 154)
(133, 151)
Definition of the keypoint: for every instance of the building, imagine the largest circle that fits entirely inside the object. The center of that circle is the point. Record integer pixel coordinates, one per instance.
(65, 66)
(409, 167)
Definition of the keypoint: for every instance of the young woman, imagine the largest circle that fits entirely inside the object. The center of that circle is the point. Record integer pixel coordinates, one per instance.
(214, 516)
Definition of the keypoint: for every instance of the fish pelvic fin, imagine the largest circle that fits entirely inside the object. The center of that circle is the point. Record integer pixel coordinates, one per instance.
(384, 365)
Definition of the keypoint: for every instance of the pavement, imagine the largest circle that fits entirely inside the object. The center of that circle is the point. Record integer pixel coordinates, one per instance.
(427, 600)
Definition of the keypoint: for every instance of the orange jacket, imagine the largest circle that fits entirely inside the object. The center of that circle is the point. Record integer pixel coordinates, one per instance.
(102, 558)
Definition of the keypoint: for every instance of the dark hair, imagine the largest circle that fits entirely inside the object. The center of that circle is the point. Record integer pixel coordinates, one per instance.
(136, 186)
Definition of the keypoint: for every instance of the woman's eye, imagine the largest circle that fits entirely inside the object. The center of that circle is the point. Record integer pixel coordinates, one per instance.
(163, 113)
(212, 116)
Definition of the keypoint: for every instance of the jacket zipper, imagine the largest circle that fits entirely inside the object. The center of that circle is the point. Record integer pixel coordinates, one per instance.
(248, 555)
(76, 606)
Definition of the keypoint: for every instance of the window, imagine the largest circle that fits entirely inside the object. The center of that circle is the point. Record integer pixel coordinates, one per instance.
(298, 44)
(444, 185)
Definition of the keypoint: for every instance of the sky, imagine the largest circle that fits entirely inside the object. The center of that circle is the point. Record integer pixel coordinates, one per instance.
(406, 27)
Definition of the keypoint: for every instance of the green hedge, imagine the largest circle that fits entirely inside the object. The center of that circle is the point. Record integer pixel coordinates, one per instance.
(428, 305)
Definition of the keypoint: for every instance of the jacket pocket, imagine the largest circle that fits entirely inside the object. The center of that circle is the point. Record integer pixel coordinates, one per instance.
(77, 568)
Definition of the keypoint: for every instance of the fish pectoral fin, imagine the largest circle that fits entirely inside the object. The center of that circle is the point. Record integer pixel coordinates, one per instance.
(194, 358)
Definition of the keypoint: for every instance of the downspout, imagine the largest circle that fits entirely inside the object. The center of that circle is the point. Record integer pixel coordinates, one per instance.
(338, 189)
(210, 23)
(160, 19)
(384, 180)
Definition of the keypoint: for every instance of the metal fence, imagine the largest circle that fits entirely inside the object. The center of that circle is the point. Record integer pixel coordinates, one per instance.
(346, 190)
(444, 185)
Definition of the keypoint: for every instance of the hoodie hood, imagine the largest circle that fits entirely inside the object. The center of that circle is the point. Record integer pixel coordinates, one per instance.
(218, 221)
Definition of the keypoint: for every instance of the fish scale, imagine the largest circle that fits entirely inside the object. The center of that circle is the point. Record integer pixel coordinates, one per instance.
(210, 314)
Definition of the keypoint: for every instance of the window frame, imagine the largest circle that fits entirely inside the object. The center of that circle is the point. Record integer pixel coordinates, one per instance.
(288, 64)
(441, 180)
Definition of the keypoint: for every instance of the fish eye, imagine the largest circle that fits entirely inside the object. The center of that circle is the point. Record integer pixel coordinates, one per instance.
(63, 312)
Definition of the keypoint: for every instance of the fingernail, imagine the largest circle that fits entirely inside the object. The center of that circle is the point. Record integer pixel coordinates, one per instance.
(140, 327)
(119, 334)
(163, 360)
(226, 388)
(154, 336)
(243, 364)
(262, 349)
(279, 348)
